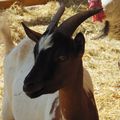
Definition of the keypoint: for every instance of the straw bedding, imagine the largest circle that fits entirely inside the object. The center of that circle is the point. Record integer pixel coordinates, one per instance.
(101, 55)
(113, 15)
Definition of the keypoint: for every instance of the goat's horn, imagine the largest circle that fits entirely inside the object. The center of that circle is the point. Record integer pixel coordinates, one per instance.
(71, 24)
(55, 19)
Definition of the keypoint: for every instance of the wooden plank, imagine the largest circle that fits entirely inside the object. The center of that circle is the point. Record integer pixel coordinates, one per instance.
(33, 2)
(7, 3)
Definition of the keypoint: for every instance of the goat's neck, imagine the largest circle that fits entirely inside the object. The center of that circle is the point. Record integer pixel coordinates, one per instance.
(74, 102)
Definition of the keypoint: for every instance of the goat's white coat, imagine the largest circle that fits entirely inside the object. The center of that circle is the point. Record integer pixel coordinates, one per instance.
(17, 65)
(45, 43)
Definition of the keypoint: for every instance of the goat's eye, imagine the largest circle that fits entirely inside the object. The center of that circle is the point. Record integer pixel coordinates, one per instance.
(61, 59)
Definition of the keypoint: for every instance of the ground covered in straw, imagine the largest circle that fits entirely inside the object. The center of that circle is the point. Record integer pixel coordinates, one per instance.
(101, 55)
(113, 15)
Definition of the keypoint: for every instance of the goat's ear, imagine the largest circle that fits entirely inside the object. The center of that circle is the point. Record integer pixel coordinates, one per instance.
(35, 36)
(79, 43)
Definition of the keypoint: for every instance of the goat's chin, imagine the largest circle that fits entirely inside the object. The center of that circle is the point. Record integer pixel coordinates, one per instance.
(35, 94)
(39, 93)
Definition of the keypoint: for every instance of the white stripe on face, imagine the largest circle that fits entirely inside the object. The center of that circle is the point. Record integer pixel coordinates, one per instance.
(45, 42)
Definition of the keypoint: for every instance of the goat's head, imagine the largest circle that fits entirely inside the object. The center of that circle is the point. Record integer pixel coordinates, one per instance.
(56, 54)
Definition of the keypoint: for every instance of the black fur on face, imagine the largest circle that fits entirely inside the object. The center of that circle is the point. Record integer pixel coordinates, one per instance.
(41, 80)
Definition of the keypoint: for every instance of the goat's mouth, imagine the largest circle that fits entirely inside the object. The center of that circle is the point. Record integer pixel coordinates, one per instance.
(33, 91)
(35, 94)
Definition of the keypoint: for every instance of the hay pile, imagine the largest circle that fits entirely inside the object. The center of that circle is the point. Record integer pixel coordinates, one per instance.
(101, 56)
(113, 15)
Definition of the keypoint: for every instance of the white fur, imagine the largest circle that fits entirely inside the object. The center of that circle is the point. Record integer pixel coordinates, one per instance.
(50, 101)
(16, 105)
(63, 118)
(45, 43)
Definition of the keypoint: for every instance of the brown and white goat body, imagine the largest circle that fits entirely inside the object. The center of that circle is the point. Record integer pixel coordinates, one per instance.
(49, 69)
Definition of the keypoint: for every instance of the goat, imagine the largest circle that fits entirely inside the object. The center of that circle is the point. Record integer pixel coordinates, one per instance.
(48, 67)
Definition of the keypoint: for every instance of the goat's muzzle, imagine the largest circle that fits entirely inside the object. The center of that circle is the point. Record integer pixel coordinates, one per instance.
(32, 89)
